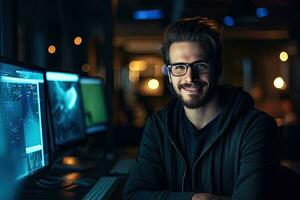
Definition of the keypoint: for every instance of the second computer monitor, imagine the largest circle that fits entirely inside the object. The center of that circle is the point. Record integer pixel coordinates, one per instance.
(94, 106)
(65, 107)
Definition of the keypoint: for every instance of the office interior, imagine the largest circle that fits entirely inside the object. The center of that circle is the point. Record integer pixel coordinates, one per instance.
(80, 78)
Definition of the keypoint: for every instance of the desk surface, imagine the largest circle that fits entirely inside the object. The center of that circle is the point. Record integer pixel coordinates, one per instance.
(73, 192)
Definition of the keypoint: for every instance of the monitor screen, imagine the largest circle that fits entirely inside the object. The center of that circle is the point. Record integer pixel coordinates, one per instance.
(23, 119)
(65, 107)
(95, 112)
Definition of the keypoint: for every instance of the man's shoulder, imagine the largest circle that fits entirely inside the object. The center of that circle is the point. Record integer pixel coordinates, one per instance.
(159, 116)
(162, 119)
(169, 108)
(258, 115)
(256, 119)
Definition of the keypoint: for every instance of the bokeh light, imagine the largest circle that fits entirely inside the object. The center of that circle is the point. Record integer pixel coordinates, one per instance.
(283, 56)
(279, 83)
(51, 49)
(77, 40)
(153, 84)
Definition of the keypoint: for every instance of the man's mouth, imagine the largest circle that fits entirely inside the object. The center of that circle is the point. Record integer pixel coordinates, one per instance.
(192, 89)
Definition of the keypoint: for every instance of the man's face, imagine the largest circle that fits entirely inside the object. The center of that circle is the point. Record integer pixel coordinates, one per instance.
(193, 89)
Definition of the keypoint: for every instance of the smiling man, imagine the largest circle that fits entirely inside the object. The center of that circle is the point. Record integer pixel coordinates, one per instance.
(209, 142)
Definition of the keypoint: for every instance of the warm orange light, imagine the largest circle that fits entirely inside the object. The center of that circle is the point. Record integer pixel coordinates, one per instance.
(137, 65)
(134, 76)
(72, 176)
(70, 160)
(51, 49)
(279, 83)
(153, 84)
(284, 56)
(77, 40)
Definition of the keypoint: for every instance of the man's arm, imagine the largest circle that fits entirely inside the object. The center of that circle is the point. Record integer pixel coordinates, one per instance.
(147, 178)
(259, 161)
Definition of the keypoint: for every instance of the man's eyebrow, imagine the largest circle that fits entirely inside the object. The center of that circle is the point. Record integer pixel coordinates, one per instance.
(201, 60)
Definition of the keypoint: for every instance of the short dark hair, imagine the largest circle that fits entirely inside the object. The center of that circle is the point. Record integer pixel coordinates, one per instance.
(196, 29)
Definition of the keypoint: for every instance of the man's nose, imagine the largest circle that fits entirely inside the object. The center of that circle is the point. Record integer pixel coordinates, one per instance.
(191, 75)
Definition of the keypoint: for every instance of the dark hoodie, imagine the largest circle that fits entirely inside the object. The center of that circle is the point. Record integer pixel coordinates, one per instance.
(237, 161)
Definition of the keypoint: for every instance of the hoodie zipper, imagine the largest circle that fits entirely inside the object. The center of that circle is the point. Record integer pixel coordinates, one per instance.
(194, 165)
(184, 173)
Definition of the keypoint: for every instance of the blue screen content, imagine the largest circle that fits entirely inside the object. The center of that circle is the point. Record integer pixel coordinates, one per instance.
(23, 120)
(65, 107)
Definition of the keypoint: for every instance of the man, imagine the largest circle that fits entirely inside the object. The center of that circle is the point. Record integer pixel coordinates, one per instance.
(209, 142)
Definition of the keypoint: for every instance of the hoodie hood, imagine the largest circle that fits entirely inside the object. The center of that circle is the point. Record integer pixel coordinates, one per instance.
(235, 102)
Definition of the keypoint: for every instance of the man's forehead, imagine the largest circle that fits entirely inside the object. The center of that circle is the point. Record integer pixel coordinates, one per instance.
(186, 50)
(184, 44)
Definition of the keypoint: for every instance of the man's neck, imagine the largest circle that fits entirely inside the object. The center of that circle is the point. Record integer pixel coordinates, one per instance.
(201, 116)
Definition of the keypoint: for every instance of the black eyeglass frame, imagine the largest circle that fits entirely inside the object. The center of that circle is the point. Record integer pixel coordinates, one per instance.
(192, 65)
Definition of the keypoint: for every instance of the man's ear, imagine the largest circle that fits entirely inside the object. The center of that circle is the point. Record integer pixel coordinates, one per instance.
(166, 72)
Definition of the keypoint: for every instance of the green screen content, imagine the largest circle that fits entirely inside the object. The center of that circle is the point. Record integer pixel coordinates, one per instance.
(95, 114)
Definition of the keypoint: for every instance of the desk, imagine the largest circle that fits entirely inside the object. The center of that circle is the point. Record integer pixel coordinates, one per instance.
(74, 192)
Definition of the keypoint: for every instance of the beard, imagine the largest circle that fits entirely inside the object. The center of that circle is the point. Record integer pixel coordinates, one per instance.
(205, 94)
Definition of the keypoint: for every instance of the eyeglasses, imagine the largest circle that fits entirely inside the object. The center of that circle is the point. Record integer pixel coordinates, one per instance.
(180, 69)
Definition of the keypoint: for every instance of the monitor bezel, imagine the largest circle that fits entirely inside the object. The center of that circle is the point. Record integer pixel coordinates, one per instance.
(106, 123)
(44, 170)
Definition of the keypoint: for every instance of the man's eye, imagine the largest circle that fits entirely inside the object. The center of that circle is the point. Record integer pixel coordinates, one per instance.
(179, 67)
(201, 65)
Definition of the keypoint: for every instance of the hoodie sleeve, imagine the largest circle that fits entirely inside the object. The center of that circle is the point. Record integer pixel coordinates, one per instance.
(147, 178)
(258, 162)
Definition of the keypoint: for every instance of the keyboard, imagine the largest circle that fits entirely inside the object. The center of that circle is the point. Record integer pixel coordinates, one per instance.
(103, 189)
(123, 166)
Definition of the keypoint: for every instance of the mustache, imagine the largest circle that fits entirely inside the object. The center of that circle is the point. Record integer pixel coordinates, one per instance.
(196, 85)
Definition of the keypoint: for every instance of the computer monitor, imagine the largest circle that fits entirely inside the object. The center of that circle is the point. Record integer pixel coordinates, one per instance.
(94, 106)
(23, 122)
(65, 107)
